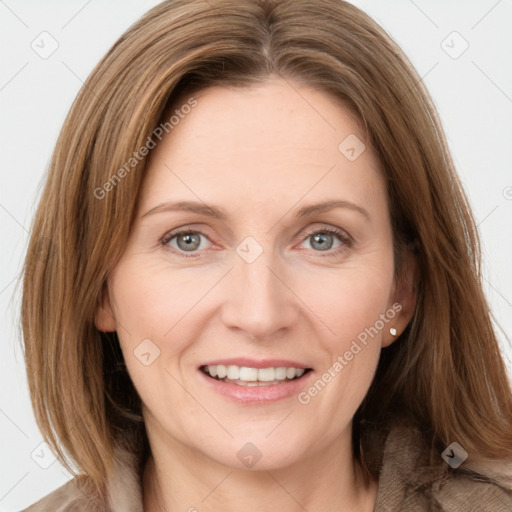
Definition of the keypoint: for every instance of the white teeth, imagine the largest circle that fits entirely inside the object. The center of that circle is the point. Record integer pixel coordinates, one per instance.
(253, 376)
(266, 374)
(248, 374)
(233, 372)
(280, 373)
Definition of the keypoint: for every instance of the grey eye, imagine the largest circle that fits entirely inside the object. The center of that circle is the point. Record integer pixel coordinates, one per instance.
(187, 241)
(322, 241)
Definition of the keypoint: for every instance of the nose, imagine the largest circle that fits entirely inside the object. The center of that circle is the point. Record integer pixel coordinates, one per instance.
(259, 300)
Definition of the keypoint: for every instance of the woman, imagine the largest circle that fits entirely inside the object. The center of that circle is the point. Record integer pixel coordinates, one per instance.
(253, 278)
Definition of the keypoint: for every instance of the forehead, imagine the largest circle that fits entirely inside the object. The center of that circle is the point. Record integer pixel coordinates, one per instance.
(265, 146)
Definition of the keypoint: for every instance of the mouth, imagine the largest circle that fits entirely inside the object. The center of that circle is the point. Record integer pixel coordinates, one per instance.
(248, 376)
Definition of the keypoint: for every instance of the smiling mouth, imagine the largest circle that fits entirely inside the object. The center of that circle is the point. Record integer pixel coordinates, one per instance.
(245, 376)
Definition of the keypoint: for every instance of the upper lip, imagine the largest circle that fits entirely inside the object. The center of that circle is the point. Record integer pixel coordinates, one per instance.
(257, 363)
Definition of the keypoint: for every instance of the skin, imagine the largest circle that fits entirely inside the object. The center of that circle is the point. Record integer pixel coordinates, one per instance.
(260, 153)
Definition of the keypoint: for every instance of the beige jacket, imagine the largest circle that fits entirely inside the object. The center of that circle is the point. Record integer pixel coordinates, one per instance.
(406, 483)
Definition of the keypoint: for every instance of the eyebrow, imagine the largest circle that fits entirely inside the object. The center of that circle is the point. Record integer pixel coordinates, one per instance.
(220, 214)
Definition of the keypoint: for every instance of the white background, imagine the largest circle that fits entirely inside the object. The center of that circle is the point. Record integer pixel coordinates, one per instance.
(472, 92)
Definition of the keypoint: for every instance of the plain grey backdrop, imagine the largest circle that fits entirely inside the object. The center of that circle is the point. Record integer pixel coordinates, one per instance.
(47, 49)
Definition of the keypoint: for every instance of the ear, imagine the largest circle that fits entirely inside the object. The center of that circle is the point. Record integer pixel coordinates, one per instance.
(403, 297)
(104, 318)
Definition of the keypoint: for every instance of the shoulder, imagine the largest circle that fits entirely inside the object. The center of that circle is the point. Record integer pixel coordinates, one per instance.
(123, 487)
(69, 497)
(414, 477)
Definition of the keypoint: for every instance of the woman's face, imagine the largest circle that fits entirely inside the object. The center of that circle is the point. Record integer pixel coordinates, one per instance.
(271, 281)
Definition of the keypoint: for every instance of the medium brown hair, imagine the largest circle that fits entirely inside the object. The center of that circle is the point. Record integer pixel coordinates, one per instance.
(445, 372)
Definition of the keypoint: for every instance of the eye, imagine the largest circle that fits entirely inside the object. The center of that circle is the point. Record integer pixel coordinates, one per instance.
(189, 241)
(322, 239)
(186, 241)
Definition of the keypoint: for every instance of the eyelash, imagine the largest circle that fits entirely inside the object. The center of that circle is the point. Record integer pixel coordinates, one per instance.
(344, 238)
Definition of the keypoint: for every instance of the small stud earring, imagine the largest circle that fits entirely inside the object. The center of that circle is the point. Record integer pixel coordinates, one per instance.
(392, 331)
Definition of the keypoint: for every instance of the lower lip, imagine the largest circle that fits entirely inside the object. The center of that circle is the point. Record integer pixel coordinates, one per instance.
(254, 395)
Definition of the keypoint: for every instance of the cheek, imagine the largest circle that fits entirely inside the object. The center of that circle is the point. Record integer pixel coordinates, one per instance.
(350, 306)
(150, 302)
(156, 302)
(347, 301)
(352, 310)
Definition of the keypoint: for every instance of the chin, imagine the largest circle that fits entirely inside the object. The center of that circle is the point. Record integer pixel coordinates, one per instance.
(257, 453)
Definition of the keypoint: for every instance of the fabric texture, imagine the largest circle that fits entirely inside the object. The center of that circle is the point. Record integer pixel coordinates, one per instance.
(409, 481)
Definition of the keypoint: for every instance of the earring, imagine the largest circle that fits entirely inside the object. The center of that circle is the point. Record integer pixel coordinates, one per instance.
(392, 331)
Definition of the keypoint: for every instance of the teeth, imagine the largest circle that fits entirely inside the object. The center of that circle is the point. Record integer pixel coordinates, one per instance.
(233, 372)
(253, 376)
(280, 373)
(248, 374)
(267, 374)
